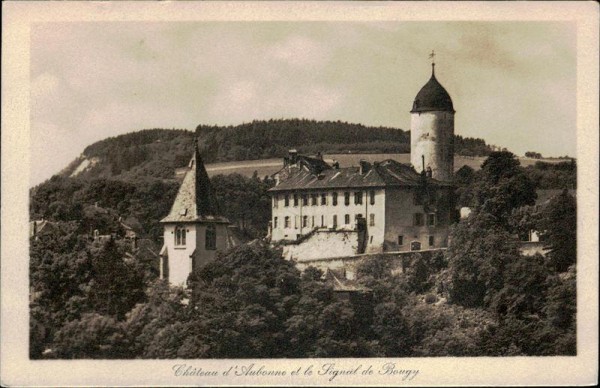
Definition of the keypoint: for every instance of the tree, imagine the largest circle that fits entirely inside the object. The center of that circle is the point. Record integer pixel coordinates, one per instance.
(478, 255)
(92, 336)
(559, 230)
(502, 186)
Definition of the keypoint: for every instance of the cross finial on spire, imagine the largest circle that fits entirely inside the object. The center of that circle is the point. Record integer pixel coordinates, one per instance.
(432, 57)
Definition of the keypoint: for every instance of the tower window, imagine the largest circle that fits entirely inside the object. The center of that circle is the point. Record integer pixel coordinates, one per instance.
(431, 219)
(346, 198)
(372, 197)
(418, 221)
(210, 241)
(358, 198)
(180, 236)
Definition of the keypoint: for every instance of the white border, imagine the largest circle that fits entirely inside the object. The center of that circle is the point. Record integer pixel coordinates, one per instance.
(17, 369)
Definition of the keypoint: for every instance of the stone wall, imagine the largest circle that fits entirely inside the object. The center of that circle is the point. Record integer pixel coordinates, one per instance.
(349, 264)
(323, 243)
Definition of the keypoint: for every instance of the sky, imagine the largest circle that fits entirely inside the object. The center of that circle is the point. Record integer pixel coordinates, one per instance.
(512, 83)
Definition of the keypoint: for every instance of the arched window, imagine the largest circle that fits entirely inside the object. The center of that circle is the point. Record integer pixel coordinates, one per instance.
(180, 236)
(210, 242)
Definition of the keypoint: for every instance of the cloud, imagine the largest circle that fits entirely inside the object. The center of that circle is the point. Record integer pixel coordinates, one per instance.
(300, 51)
(94, 80)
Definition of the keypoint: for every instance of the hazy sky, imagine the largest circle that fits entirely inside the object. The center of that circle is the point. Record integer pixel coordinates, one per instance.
(512, 83)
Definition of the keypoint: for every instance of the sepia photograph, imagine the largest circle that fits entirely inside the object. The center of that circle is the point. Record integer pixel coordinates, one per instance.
(302, 200)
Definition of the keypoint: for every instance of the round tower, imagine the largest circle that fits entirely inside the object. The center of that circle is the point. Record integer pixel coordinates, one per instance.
(432, 130)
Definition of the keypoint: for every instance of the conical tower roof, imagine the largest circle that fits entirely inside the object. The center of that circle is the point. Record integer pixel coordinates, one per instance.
(432, 97)
(195, 201)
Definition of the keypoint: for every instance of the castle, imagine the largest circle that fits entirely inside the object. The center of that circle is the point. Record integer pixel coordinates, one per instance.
(324, 211)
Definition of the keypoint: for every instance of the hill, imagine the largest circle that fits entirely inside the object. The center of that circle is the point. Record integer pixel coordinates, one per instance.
(158, 152)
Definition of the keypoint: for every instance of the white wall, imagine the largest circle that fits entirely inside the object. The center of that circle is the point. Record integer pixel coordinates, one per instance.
(296, 214)
(432, 136)
(180, 261)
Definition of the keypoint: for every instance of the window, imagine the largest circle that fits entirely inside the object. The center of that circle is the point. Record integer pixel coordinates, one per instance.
(296, 222)
(286, 222)
(415, 246)
(313, 221)
(210, 240)
(400, 240)
(304, 221)
(335, 221)
(417, 198)
(431, 219)
(358, 198)
(431, 241)
(276, 201)
(286, 200)
(371, 219)
(372, 197)
(346, 198)
(323, 198)
(347, 219)
(295, 199)
(304, 199)
(313, 199)
(274, 222)
(322, 221)
(180, 236)
(418, 219)
(334, 199)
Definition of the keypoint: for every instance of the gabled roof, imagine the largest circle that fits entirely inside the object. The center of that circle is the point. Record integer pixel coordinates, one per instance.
(195, 201)
(388, 173)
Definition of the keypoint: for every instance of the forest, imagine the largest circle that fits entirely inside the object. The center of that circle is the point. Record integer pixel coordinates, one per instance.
(481, 297)
(158, 152)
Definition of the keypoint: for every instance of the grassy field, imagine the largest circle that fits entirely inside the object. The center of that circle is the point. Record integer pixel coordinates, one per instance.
(270, 166)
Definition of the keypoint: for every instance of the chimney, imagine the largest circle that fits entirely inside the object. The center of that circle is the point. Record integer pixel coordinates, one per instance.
(429, 172)
(365, 167)
(319, 155)
(293, 156)
(336, 164)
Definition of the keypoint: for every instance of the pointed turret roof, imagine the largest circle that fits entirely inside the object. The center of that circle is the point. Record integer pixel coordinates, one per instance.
(196, 200)
(432, 97)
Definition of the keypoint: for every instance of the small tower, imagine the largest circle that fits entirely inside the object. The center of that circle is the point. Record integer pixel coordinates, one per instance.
(432, 130)
(194, 230)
